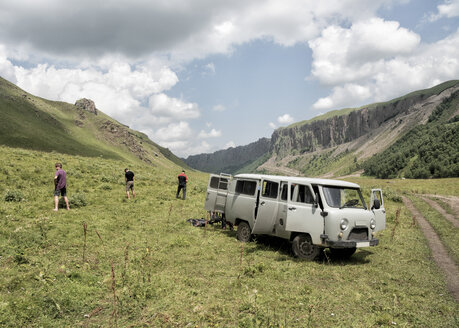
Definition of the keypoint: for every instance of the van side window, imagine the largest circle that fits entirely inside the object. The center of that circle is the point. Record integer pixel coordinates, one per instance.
(304, 195)
(270, 189)
(218, 183)
(284, 192)
(246, 187)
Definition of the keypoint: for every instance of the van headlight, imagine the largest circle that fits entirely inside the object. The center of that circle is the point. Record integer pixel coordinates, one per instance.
(372, 224)
(343, 224)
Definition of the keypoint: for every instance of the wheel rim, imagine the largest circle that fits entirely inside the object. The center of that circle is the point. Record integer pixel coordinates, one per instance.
(245, 232)
(305, 247)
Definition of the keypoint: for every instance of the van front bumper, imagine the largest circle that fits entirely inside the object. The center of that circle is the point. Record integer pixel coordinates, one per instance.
(350, 243)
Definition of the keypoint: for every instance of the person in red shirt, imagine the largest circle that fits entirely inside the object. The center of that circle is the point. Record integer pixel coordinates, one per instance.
(182, 180)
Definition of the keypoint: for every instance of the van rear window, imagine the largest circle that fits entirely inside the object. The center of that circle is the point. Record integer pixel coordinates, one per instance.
(218, 183)
(246, 187)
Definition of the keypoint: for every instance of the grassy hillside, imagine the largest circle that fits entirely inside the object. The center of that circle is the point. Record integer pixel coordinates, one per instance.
(427, 151)
(121, 263)
(31, 122)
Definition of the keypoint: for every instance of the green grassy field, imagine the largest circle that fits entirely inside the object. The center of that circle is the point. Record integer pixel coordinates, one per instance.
(115, 262)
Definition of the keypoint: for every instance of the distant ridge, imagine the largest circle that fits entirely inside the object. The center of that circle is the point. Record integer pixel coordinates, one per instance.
(231, 159)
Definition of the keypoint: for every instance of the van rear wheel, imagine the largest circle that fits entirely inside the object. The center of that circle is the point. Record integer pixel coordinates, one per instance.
(303, 248)
(243, 233)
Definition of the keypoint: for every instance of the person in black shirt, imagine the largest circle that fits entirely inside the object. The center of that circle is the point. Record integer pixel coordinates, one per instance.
(182, 180)
(129, 176)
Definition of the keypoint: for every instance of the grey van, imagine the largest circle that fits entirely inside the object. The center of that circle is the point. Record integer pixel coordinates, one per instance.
(313, 214)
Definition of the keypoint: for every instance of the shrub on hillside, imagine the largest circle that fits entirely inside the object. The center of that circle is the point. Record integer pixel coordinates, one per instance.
(105, 186)
(13, 196)
(76, 200)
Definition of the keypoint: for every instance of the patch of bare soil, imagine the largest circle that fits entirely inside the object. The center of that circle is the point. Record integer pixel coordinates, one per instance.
(440, 209)
(439, 253)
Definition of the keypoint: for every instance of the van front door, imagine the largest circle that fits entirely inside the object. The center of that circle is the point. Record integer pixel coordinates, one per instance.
(302, 214)
(377, 207)
(267, 208)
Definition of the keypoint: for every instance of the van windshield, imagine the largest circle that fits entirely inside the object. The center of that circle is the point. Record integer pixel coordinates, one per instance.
(341, 197)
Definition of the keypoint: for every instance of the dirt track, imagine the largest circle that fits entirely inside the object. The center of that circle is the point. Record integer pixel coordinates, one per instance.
(439, 253)
(440, 209)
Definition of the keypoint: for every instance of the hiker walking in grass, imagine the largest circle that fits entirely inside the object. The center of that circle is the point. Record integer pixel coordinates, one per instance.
(182, 180)
(129, 176)
(60, 186)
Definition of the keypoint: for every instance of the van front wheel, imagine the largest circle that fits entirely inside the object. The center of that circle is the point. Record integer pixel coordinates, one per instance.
(303, 248)
(243, 233)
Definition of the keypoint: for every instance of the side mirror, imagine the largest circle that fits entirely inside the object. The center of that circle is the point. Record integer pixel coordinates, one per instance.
(376, 204)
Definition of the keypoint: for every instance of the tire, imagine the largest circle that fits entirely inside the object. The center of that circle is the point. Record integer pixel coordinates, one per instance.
(244, 233)
(342, 253)
(303, 248)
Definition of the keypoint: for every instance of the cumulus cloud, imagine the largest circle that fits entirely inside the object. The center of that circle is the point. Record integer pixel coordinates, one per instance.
(449, 9)
(272, 125)
(229, 144)
(387, 69)
(195, 29)
(285, 119)
(211, 134)
(343, 55)
(165, 106)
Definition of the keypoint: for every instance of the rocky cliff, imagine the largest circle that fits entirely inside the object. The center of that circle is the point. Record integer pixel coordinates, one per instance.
(411, 109)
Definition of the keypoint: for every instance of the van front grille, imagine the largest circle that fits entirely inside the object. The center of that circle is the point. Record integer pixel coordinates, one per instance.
(358, 234)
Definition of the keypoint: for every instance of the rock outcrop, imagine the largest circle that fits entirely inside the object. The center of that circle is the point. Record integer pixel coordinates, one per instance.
(87, 105)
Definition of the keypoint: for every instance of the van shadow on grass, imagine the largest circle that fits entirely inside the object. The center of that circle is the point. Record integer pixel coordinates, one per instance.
(284, 248)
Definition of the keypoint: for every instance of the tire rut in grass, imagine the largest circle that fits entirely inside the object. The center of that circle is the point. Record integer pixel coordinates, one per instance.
(439, 253)
(440, 210)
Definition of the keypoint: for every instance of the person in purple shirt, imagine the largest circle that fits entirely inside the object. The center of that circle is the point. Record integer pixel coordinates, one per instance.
(60, 186)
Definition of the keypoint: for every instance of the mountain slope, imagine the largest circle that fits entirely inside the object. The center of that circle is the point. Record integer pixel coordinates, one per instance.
(338, 142)
(427, 151)
(35, 123)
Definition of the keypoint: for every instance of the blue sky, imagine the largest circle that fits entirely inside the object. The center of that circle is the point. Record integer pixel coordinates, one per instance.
(203, 75)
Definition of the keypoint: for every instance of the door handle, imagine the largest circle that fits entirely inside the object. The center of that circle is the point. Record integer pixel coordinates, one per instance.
(292, 208)
(262, 203)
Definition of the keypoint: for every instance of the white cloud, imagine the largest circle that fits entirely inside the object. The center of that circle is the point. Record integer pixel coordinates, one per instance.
(344, 96)
(348, 54)
(173, 132)
(229, 144)
(397, 65)
(209, 68)
(449, 9)
(163, 105)
(272, 125)
(285, 119)
(211, 134)
(219, 108)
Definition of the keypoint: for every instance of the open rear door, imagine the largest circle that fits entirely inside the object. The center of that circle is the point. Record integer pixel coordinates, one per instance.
(377, 207)
(302, 215)
(267, 208)
(217, 190)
